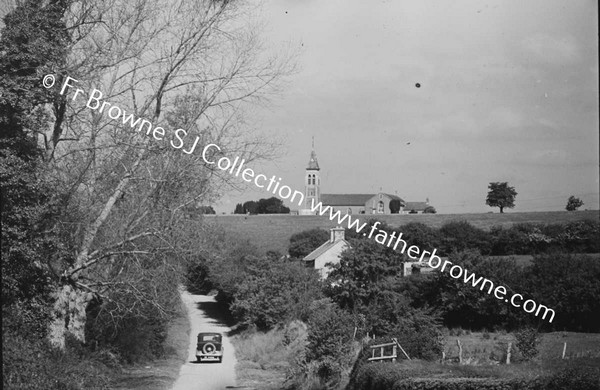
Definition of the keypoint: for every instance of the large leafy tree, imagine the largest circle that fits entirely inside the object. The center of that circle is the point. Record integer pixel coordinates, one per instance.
(33, 42)
(191, 66)
(501, 195)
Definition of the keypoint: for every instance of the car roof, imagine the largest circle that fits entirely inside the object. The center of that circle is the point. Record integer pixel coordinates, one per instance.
(209, 334)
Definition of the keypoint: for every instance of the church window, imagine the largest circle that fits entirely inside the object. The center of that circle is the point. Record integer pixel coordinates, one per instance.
(380, 206)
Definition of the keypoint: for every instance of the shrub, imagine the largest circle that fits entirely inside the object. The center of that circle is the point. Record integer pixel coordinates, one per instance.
(330, 331)
(527, 340)
(277, 294)
(580, 378)
(461, 235)
(34, 365)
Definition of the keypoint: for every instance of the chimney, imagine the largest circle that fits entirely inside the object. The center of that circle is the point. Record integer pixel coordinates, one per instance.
(337, 234)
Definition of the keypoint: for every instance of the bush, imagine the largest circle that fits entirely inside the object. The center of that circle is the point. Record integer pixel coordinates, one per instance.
(330, 331)
(277, 294)
(527, 342)
(34, 365)
(580, 378)
(461, 235)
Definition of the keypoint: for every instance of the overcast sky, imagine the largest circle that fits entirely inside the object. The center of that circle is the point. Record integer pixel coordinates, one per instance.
(508, 92)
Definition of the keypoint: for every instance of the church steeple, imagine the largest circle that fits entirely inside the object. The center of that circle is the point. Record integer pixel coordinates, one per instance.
(312, 180)
(313, 164)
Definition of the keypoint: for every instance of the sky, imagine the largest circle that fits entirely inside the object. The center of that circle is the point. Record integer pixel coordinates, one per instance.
(508, 92)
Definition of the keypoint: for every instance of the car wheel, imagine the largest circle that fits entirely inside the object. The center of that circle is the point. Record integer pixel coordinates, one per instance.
(209, 348)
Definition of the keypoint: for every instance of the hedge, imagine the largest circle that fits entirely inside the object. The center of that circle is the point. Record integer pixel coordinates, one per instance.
(393, 376)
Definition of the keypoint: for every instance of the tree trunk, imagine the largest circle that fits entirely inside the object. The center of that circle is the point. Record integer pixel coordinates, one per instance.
(69, 315)
(501, 210)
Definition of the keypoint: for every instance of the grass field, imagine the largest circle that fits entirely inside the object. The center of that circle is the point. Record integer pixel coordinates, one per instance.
(478, 347)
(273, 231)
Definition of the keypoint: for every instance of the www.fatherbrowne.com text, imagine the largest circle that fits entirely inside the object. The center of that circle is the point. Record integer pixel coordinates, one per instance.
(179, 141)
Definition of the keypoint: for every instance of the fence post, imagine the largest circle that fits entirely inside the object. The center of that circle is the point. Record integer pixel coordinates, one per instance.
(443, 356)
(460, 359)
(394, 352)
(508, 352)
(564, 350)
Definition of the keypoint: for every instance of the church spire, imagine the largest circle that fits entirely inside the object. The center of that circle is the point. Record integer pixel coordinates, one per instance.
(313, 164)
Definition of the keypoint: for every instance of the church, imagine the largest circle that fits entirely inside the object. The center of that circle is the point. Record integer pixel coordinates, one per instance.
(380, 203)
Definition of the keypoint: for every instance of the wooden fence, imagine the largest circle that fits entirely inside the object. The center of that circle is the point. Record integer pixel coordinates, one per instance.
(382, 356)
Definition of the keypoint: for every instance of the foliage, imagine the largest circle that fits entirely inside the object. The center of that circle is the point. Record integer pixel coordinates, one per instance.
(573, 203)
(501, 195)
(429, 210)
(250, 207)
(421, 235)
(274, 294)
(239, 209)
(31, 363)
(395, 206)
(356, 281)
(461, 304)
(569, 285)
(271, 205)
(301, 244)
(527, 341)
(461, 235)
(417, 375)
(330, 331)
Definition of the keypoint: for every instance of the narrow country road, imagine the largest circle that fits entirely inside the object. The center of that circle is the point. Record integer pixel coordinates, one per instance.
(208, 375)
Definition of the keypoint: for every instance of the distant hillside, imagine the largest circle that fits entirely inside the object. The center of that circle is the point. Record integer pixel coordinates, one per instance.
(273, 231)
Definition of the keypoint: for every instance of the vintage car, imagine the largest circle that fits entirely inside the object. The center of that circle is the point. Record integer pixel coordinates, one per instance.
(209, 347)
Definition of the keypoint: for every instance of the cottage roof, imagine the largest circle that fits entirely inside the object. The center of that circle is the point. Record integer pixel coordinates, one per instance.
(322, 249)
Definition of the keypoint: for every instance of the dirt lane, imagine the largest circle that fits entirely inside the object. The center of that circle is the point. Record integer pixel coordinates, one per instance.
(208, 375)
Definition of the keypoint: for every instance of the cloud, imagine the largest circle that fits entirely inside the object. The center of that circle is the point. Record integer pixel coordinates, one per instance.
(551, 49)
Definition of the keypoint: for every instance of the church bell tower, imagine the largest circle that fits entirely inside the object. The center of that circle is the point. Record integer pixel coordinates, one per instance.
(312, 180)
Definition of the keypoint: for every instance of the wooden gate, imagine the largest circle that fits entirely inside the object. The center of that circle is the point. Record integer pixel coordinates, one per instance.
(382, 356)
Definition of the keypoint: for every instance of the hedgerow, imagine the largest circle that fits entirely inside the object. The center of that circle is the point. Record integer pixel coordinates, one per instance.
(396, 376)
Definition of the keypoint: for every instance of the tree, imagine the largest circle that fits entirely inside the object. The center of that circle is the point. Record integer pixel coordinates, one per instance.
(239, 209)
(301, 244)
(206, 210)
(250, 207)
(501, 195)
(395, 205)
(429, 210)
(272, 205)
(191, 67)
(573, 203)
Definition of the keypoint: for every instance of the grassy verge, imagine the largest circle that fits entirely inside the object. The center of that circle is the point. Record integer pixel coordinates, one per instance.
(262, 359)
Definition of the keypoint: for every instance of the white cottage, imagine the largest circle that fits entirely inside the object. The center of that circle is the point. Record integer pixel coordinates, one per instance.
(329, 252)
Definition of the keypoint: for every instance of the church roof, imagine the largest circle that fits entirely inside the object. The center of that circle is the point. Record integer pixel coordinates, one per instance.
(351, 199)
(417, 206)
(313, 163)
(345, 199)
